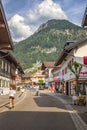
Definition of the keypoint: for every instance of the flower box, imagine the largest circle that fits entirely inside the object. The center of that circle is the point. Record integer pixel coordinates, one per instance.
(13, 86)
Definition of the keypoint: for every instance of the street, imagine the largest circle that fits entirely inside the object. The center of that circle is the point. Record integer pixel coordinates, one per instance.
(37, 113)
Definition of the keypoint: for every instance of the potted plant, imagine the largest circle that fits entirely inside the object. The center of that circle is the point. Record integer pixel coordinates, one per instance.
(81, 100)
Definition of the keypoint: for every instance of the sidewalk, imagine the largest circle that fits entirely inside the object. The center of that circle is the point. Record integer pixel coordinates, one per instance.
(81, 110)
(78, 113)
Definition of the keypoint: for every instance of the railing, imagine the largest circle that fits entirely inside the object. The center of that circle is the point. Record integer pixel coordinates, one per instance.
(4, 73)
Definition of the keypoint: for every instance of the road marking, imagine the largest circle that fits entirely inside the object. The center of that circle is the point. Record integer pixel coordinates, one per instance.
(15, 103)
(21, 99)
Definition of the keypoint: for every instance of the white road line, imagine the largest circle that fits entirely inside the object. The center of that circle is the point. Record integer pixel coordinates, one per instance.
(15, 104)
(21, 99)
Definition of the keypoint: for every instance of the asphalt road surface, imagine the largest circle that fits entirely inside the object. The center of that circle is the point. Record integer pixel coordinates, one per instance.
(37, 113)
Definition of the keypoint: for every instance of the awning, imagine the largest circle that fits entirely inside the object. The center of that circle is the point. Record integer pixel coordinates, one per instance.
(56, 79)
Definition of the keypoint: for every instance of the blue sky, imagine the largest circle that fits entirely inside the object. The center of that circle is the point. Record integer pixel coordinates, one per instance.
(25, 16)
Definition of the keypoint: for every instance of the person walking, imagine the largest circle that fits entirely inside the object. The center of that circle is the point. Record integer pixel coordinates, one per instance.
(11, 97)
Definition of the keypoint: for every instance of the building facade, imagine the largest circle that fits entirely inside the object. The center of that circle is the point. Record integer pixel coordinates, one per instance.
(47, 71)
(8, 68)
(73, 52)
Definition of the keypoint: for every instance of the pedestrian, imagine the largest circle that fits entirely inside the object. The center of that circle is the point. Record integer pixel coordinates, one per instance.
(22, 90)
(53, 88)
(11, 97)
(74, 99)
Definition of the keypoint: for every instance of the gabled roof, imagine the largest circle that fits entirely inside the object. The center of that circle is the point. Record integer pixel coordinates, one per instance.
(47, 64)
(84, 21)
(27, 75)
(5, 37)
(67, 49)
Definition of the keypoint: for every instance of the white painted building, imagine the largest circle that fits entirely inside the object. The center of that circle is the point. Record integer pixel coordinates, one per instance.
(47, 70)
(73, 52)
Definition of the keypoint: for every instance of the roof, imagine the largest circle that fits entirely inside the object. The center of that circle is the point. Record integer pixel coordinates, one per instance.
(27, 75)
(67, 49)
(84, 21)
(47, 64)
(5, 37)
(56, 68)
(20, 69)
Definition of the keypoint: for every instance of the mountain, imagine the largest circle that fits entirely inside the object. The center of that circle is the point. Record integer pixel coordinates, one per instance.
(47, 42)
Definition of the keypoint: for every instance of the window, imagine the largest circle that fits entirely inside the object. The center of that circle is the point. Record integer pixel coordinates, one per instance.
(3, 83)
(3, 64)
(65, 70)
(0, 63)
(72, 61)
(6, 66)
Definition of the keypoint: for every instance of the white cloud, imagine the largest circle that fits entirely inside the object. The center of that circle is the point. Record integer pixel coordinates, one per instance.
(20, 30)
(46, 10)
(21, 26)
(51, 10)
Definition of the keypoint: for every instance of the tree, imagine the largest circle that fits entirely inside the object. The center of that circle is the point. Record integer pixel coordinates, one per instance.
(41, 81)
(76, 69)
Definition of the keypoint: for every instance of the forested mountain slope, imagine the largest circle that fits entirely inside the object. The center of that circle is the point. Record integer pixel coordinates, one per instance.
(47, 42)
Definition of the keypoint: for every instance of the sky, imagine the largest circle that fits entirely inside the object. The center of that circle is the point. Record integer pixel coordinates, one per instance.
(25, 16)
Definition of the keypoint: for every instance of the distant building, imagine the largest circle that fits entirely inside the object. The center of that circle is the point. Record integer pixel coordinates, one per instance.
(47, 70)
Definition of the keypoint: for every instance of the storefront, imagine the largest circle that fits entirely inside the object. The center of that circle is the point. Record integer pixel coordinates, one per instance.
(82, 83)
(58, 81)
